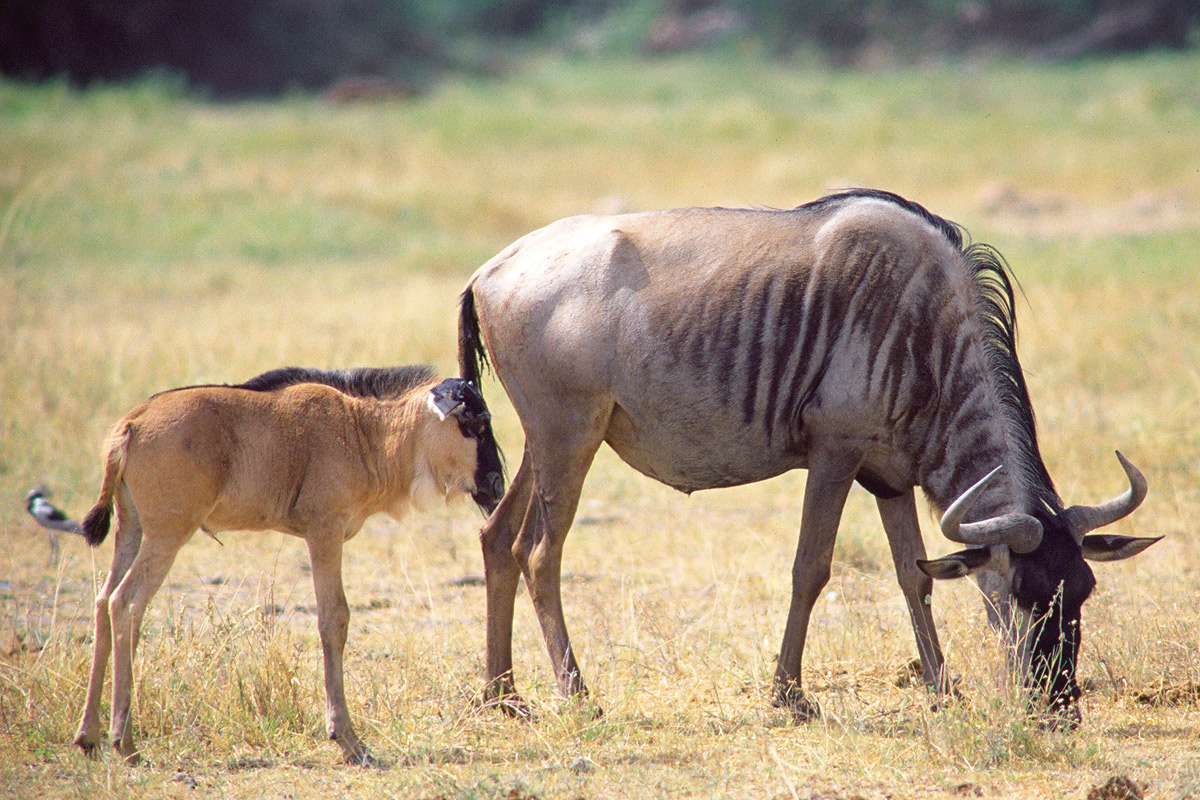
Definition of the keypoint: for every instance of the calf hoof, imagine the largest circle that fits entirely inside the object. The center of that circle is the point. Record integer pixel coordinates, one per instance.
(803, 708)
(353, 750)
(128, 753)
(89, 743)
(361, 758)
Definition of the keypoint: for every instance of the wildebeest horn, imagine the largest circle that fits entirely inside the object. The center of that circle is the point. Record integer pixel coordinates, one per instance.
(1081, 519)
(1020, 532)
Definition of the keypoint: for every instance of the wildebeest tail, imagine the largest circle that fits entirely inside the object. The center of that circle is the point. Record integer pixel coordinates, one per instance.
(472, 356)
(96, 523)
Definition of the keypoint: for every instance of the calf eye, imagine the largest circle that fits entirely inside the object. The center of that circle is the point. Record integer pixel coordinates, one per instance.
(472, 431)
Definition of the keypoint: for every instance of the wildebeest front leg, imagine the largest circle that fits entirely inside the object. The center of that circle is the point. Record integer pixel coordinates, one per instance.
(333, 622)
(899, 517)
(503, 576)
(829, 481)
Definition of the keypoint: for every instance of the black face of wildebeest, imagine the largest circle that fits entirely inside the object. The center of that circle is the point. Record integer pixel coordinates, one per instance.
(1050, 586)
(475, 422)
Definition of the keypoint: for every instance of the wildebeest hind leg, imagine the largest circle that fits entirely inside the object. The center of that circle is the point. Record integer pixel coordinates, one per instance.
(829, 481)
(503, 575)
(562, 452)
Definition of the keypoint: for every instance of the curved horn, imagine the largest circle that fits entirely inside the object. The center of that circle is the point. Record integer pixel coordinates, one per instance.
(1081, 519)
(1020, 532)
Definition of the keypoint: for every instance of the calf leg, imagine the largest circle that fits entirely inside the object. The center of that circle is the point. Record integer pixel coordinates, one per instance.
(333, 623)
(899, 517)
(128, 540)
(829, 481)
(127, 607)
(503, 575)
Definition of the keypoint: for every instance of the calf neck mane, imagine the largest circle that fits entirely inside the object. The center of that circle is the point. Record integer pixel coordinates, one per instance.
(376, 383)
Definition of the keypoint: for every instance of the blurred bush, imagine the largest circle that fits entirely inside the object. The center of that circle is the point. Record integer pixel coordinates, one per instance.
(226, 47)
(232, 48)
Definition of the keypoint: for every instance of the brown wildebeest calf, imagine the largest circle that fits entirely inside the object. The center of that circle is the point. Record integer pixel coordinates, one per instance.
(307, 452)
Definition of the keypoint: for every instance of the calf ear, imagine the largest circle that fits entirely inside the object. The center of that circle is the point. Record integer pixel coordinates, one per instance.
(956, 565)
(1109, 547)
(444, 400)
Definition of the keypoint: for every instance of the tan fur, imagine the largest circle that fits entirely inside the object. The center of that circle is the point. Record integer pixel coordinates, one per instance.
(306, 460)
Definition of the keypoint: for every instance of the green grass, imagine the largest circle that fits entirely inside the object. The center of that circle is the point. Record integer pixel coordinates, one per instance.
(149, 240)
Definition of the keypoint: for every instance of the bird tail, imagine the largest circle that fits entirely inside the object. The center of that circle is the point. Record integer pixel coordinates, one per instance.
(96, 523)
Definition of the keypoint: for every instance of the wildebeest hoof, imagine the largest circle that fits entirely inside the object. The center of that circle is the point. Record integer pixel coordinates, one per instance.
(944, 700)
(1063, 720)
(803, 708)
(507, 702)
(588, 707)
(805, 711)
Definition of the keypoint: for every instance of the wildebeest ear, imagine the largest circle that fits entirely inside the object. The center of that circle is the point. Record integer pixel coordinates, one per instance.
(1110, 547)
(445, 398)
(955, 565)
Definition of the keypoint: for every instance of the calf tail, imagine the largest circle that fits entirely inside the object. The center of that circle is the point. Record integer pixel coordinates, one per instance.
(96, 523)
(472, 355)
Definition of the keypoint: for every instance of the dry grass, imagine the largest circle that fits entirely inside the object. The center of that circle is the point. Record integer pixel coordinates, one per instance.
(148, 240)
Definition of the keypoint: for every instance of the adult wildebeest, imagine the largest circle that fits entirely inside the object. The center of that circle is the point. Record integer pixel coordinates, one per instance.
(858, 337)
(311, 453)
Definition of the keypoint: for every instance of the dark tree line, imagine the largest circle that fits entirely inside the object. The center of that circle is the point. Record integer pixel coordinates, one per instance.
(226, 47)
(234, 48)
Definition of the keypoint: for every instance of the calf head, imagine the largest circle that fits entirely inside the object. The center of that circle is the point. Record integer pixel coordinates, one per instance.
(459, 401)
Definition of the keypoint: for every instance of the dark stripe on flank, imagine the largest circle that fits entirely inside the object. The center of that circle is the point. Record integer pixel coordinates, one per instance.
(754, 362)
(791, 313)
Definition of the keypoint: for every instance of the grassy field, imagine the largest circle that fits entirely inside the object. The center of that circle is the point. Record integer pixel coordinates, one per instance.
(149, 240)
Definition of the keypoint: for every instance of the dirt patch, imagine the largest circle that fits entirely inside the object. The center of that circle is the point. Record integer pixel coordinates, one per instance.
(1186, 693)
(1053, 214)
(1118, 787)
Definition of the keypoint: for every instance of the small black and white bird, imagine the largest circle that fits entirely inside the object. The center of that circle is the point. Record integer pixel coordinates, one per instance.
(49, 517)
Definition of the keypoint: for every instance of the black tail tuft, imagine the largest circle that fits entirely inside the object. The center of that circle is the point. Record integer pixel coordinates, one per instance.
(472, 356)
(95, 524)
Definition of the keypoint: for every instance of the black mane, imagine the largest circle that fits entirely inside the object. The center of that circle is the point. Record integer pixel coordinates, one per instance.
(997, 315)
(947, 228)
(379, 383)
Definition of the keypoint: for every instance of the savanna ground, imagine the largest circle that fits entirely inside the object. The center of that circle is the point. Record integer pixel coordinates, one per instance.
(149, 240)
